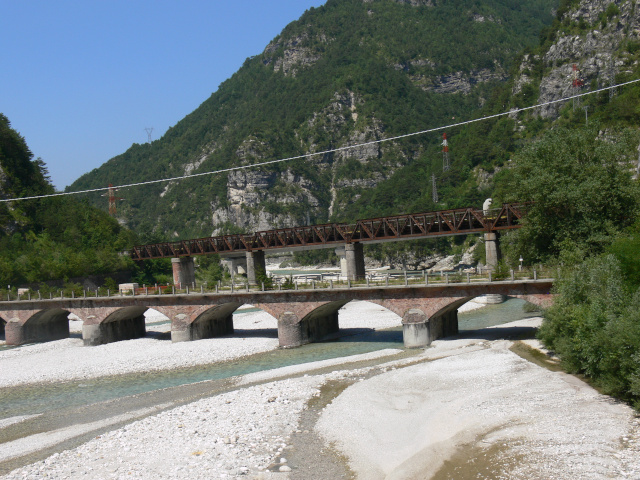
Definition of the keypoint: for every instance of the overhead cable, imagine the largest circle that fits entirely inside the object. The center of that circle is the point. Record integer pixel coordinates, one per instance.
(324, 152)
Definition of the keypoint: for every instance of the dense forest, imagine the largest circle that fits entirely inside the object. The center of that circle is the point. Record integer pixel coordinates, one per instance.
(53, 238)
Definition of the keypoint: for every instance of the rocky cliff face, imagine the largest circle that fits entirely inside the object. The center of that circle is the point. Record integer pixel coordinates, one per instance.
(592, 37)
(248, 191)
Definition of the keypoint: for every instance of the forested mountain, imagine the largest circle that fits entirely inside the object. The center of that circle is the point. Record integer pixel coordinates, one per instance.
(348, 72)
(54, 238)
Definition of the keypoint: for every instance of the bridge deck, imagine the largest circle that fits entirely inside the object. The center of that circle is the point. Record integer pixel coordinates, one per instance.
(460, 221)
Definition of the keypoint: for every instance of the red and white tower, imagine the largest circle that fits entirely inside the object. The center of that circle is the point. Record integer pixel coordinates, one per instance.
(446, 165)
(112, 200)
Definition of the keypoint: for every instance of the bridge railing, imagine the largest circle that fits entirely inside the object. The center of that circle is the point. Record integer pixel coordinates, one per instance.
(307, 281)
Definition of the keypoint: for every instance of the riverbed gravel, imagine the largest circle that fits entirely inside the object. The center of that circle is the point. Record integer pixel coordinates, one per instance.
(523, 421)
(470, 401)
(236, 434)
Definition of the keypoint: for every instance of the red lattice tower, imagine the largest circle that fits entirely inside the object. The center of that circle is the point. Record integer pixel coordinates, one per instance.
(112, 199)
(446, 165)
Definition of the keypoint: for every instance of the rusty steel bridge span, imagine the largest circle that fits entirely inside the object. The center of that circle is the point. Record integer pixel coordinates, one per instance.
(248, 250)
(461, 221)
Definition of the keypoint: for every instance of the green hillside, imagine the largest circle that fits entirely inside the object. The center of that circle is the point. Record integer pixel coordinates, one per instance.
(54, 238)
(344, 73)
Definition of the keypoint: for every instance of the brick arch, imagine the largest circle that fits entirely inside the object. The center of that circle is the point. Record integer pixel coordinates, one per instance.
(29, 326)
(202, 321)
(299, 309)
(116, 324)
(381, 303)
(452, 305)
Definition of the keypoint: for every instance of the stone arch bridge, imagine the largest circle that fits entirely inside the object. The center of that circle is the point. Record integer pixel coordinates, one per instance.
(428, 312)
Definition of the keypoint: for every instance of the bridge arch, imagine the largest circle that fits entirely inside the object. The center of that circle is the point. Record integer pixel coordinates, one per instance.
(205, 321)
(302, 323)
(40, 325)
(125, 323)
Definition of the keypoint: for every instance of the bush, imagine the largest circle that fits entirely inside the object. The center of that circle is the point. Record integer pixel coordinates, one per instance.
(594, 326)
(288, 283)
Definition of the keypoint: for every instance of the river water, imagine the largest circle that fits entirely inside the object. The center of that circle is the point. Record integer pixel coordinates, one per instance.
(34, 399)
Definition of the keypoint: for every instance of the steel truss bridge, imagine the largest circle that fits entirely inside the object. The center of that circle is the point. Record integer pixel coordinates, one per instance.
(461, 221)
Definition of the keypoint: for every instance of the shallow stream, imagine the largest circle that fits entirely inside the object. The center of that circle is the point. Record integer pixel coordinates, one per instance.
(33, 399)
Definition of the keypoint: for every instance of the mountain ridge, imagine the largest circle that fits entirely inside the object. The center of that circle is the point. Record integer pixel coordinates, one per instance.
(346, 72)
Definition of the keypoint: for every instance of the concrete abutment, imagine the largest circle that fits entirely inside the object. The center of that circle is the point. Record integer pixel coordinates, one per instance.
(351, 261)
(419, 331)
(492, 250)
(256, 266)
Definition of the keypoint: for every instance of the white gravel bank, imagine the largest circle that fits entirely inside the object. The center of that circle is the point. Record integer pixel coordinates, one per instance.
(543, 424)
(397, 425)
(226, 436)
(69, 359)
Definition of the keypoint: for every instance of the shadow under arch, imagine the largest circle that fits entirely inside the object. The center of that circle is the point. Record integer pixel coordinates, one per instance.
(125, 323)
(353, 329)
(318, 324)
(46, 326)
(215, 321)
(3, 322)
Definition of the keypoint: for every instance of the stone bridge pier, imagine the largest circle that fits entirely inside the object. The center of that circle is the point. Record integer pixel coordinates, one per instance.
(300, 323)
(197, 322)
(111, 324)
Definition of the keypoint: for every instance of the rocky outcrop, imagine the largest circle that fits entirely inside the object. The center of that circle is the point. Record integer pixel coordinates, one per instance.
(364, 137)
(460, 82)
(248, 190)
(291, 55)
(524, 73)
(597, 53)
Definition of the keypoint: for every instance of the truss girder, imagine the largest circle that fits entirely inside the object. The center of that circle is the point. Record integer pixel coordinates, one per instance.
(416, 225)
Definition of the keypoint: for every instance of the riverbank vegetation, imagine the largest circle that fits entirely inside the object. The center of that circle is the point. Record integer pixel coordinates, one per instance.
(585, 221)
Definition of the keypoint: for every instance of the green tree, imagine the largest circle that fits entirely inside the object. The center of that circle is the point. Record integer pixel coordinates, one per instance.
(582, 194)
(594, 326)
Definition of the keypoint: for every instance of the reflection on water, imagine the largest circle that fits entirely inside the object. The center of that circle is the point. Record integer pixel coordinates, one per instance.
(25, 400)
(491, 315)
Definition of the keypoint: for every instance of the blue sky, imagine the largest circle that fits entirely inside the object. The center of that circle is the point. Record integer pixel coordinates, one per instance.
(82, 79)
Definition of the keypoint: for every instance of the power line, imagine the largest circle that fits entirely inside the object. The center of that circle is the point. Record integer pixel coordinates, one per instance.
(324, 152)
